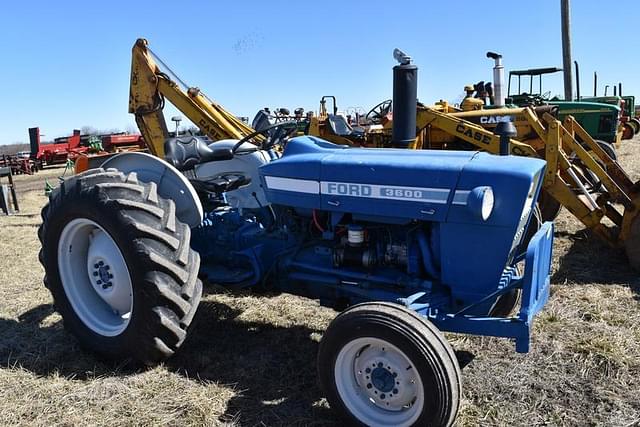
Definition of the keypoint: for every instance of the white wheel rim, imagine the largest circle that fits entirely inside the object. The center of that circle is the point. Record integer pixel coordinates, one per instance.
(378, 383)
(95, 277)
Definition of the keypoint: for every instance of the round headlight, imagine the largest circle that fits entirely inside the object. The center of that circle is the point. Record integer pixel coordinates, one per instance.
(480, 202)
(487, 203)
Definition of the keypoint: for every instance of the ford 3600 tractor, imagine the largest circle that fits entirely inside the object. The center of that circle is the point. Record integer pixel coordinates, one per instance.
(406, 243)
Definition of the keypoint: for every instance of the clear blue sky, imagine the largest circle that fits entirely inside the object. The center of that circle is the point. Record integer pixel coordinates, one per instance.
(66, 64)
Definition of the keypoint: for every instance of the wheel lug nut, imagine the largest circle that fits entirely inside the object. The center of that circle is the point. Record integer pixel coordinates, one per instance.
(368, 370)
(96, 266)
(380, 365)
(101, 263)
(369, 385)
(395, 391)
(107, 267)
(382, 396)
(111, 276)
(99, 282)
(95, 273)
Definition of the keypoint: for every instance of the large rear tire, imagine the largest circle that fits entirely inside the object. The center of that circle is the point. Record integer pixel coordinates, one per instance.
(119, 266)
(549, 207)
(591, 180)
(628, 131)
(635, 124)
(382, 364)
(608, 148)
(506, 303)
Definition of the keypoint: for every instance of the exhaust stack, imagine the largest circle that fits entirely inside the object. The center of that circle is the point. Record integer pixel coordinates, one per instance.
(498, 78)
(405, 100)
(34, 141)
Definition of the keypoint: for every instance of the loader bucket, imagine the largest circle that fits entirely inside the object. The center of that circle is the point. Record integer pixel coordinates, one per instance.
(618, 200)
(630, 234)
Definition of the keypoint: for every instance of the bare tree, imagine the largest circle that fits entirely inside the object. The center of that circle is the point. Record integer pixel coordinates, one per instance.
(90, 130)
(10, 149)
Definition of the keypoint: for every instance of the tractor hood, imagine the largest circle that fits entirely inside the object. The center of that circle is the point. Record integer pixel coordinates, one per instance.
(397, 183)
(581, 107)
(313, 173)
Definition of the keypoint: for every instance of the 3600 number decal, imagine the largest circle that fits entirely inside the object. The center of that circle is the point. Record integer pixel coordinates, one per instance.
(402, 192)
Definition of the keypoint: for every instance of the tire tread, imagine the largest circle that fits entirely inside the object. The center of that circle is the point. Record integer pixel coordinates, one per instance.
(423, 334)
(170, 282)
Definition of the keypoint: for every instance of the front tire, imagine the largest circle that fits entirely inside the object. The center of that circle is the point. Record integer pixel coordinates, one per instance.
(119, 266)
(382, 364)
(608, 148)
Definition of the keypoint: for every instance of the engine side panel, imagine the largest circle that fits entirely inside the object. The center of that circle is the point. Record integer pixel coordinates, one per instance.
(431, 186)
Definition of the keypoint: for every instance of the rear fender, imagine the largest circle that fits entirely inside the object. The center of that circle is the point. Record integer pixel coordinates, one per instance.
(171, 183)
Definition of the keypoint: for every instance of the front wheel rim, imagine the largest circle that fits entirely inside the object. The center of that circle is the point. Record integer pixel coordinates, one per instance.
(95, 277)
(378, 383)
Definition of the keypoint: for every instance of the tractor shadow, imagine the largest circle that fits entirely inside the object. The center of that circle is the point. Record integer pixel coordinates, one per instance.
(45, 350)
(271, 368)
(589, 260)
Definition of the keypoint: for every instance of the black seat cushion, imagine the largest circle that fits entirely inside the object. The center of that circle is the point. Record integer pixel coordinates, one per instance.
(185, 152)
(221, 183)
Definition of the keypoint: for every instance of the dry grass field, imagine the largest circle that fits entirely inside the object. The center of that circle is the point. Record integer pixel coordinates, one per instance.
(251, 358)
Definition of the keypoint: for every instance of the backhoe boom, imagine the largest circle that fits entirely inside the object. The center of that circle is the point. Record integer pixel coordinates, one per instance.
(150, 86)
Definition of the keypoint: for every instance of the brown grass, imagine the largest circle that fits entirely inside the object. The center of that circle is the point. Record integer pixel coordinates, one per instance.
(251, 358)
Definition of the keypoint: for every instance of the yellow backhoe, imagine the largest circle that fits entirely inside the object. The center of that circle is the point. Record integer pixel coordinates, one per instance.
(152, 81)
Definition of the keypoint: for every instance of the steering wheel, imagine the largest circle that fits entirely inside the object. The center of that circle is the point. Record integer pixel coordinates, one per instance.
(537, 99)
(275, 134)
(376, 114)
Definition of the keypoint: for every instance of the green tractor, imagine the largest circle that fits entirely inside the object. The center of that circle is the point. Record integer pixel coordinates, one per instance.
(629, 113)
(630, 123)
(601, 120)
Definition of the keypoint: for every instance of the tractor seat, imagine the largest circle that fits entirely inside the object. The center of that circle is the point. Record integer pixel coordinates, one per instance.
(185, 152)
(340, 127)
(221, 183)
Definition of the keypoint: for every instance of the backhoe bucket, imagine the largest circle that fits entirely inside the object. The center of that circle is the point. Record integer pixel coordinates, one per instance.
(631, 234)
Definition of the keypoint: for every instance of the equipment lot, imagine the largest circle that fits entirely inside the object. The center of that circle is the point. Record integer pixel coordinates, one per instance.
(251, 358)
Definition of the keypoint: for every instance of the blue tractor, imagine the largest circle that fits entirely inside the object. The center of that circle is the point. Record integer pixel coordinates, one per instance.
(406, 244)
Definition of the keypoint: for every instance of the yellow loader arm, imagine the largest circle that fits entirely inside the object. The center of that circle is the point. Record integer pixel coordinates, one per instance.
(620, 203)
(429, 119)
(148, 89)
